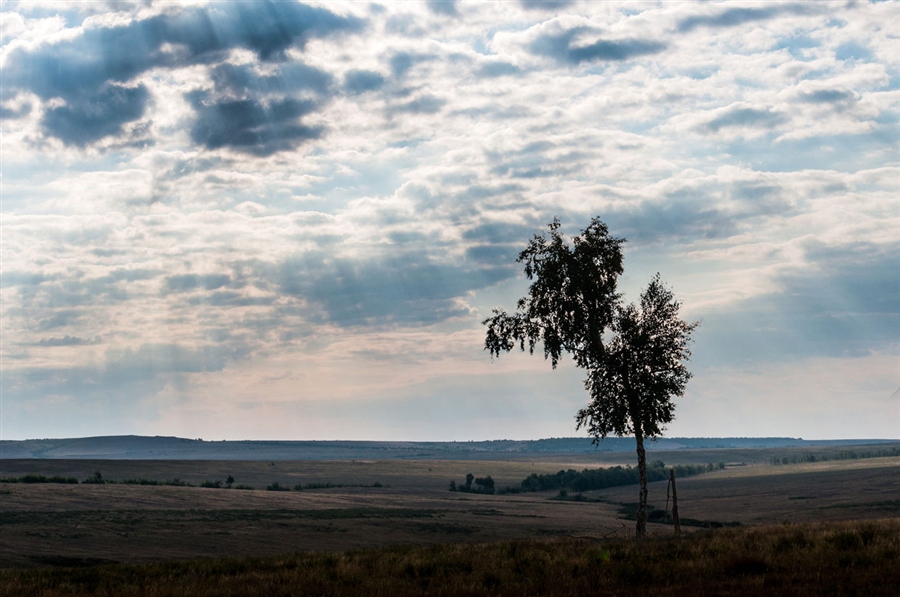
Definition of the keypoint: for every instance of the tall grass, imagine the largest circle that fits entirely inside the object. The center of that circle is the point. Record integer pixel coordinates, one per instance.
(856, 558)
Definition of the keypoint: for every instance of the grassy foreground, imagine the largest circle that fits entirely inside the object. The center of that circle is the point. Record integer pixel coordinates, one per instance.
(846, 558)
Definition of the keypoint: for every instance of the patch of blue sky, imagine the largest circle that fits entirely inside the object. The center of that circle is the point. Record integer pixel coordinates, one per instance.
(799, 47)
(852, 50)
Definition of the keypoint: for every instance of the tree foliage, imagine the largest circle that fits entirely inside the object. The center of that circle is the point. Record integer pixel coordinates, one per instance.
(642, 370)
(571, 300)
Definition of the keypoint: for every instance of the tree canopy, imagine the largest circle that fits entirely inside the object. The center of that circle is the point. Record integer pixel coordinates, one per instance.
(643, 368)
(571, 301)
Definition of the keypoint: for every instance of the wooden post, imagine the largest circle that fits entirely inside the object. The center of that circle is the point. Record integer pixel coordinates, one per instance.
(675, 504)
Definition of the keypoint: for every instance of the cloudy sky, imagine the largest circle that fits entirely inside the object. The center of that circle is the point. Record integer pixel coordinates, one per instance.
(259, 220)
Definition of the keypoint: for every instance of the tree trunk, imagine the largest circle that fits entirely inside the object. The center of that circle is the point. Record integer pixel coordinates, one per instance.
(641, 530)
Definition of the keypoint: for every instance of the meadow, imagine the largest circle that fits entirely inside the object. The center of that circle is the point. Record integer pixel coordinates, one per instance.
(393, 527)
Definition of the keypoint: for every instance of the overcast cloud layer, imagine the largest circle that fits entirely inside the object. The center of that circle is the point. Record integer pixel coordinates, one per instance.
(283, 220)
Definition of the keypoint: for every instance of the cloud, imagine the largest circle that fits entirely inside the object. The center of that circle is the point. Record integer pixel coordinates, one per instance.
(361, 81)
(93, 72)
(742, 116)
(840, 303)
(402, 62)
(188, 282)
(835, 97)
(545, 4)
(561, 47)
(443, 7)
(424, 104)
(752, 165)
(68, 341)
(21, 278)
(87, 118)
(61, 318)
(256, 127)
(238, 81)
(498, 68)
(733, 17)
(408, 288)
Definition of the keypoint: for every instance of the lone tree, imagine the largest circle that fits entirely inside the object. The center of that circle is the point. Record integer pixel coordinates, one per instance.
(634, 354)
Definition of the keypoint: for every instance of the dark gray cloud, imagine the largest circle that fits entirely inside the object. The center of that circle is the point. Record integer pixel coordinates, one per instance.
(544, 4)
(18, 278)
(501, 233)
(256, 127)
(238, 81)
(732, 17)
(131, 275)
(408, 288)
(498, 69)
(87, 118)
(424, 104)
(91, 72)
(844, 303)
(673, 217)
(699, 211)
(561, 47)
(840, 99)
(744, 117)
(61, 318)
(229, 298)
(828, 96)
(189, 282)
(361, 81)
(68, 341)
(534, 160)
(401, 63)
(496, 255)
(150, 360)
(126, 377)
(443, 7)
(257, 114)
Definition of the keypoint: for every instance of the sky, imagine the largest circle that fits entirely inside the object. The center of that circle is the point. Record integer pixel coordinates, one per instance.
(278, 220)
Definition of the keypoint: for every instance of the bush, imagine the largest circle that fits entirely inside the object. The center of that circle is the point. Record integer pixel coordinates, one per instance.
(482, 485)
(276, 486)
(95, 478)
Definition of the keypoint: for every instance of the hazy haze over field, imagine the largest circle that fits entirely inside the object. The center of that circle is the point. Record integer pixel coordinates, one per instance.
(282, 220)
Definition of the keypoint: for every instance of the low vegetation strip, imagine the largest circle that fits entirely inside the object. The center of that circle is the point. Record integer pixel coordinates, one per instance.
(98, 479)
(840, 455)
(40, 479)
(603, 478)
(802, 560)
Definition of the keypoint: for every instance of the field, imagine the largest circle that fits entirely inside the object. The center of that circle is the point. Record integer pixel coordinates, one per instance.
(385, 507)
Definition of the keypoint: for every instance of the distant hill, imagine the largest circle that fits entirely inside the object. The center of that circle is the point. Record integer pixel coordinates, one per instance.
(134, 447)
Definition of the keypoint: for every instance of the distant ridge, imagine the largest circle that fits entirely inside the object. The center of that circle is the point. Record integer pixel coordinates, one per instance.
(135, 447)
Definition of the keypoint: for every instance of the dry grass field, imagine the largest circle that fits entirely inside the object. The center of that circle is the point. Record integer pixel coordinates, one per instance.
(95, 526)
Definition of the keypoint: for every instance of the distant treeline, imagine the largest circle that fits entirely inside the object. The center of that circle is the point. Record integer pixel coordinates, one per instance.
(97, 479)
(842, 455)
(39, 479)
(602, 478)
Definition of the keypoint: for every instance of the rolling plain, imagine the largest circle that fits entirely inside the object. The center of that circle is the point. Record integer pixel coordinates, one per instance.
(351, 505)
